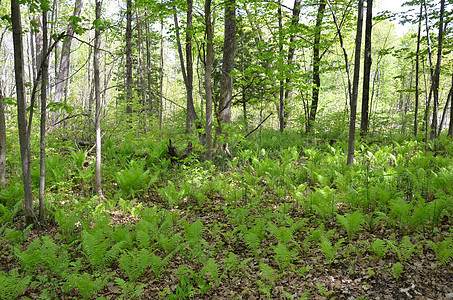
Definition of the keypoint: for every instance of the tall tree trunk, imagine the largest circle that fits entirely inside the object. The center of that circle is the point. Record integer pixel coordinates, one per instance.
(208, 75)
(191, 115)
(2, 141)
(355, 85)
(450, 128)
(435, 84)
(290, 58)
(161, 74)
(129, 56)
(226, 81)
(148, 64)
(431, 71)
(44, 63)
(63, 70)
(366, 69)
(444, 112)
(24, 138)
(417, 70)
(281, 109)
(97, 93)
(316, 64)
(2, 133)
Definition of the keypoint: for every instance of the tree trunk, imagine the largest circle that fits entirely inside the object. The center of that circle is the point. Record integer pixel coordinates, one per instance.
(97, 93)
(148, 64)
(161, 74)
(290, 61)
(24, 138)
(316, 63)
(281, 109)
(208, 75)
(226, 81)
(61, 76)
(435, 84)
(44, 62)
(355, 85)
(450, 128)
(366, 69)
(417, 70)
(191, 115)
(2, 141)
(129, 56)
(428, 41)
(444, 113)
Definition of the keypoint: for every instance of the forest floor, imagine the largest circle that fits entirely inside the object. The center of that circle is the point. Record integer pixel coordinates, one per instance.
(263, 243)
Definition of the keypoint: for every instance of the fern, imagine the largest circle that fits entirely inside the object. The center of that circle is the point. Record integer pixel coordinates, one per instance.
(87, 284)
(397, 270)
(329, 250)
(404, 249)
(135, 263)
(99, 250)
(194, 232)
(283, 234)
(131, 290)
(379, 248)
(132, 179)
(252, 241)
(352, 223)
(211, 268)
(443, 250)
(157, 263)
(66, 221)
(12, 285)
(283, 255)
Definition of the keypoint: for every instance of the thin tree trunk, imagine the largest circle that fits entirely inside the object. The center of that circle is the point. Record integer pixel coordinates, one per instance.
(129, 56)
(290, 61)
(367, 69)
(63, 70)
(97, 46)
(161, 74)
(431, 71)
(281, 110)
(44, 62)
(355, 85)
(450, 128)
(444, 113)
(435, 84)
(191, 115)
(24, 138)
(417, 70)
(2, 141)
(226, 81)
(207, 76)
(316, 64)
(148, 64)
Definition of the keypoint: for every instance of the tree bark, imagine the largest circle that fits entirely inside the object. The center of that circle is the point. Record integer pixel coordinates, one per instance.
(129, 56)
(226, 81)
(450, 128)
(148, 64)
(281, 110)
(435, 84)
(355, 85)
(417, 71)
(44, 62)
(24, 138)
(2, 141)
(367, 69)
(316, 64)
(191, 115)
(207, 76)
(97, 46)
(61, 76)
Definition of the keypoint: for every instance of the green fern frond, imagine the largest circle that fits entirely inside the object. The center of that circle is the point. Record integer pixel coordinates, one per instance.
(211, 268)
(134, 263)
(12, 284)
(351, 222)
(443, 250)
(283, 255)
(252, 240)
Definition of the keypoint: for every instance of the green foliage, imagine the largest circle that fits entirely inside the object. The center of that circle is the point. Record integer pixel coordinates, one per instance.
(133, 179)
(99, 249)
(9, 196)
(211, 268)
(88, 285)
(67, 221)
(351, 222)
(134, 263)
(397, 270)
(404, 249)
(12, 284)
(328, 249)
(443, 250)
(131, 290)
(379, 247)
(284, 256)
(172, 194)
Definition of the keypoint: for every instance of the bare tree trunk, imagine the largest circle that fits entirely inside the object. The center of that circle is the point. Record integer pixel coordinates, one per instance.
(281, 109)
(431, 71)
(2, 141)
(24, 138)
(355, 85)
(435, 84)
(450, 128)
(129, 56)
(367, 69)
(44, 62)
(97, 93)
(161, 74)
(417, 70)
(63, 70)
(316, 63)
(226, 81)
(444, 113)
(207, 76)
(191, 115)
(148, 64)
